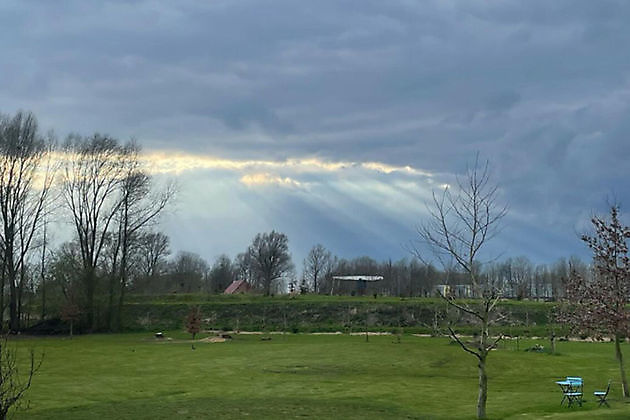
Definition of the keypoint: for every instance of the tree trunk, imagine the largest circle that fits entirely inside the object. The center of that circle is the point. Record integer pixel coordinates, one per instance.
(112, 282)
(110, 304)
(4, 281)
(43, 274)
(113, 279)
(20, 294)
(483, 387)
(121, 301)
(14, 321)
(624, 381)
(267, 287)
(90, 286)
(43, 287)
(483, 355)
(123, 274)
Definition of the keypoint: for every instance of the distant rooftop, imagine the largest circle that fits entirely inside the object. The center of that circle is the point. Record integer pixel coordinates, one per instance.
(358, 278)
(237, 286)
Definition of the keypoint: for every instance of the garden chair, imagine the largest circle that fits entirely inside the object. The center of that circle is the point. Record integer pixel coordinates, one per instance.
(602, 395)
(573, 390)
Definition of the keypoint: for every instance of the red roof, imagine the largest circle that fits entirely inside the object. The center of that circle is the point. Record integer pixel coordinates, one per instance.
(237, 286)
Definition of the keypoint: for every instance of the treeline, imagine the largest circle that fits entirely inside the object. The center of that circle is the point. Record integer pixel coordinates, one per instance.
(101, 189)
(186, 272)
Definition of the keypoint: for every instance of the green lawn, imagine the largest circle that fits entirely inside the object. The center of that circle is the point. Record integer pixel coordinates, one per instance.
(131, 376)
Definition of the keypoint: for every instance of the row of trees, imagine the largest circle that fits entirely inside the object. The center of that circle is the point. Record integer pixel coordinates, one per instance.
(188, 272)
(98, 184)
(266, 265)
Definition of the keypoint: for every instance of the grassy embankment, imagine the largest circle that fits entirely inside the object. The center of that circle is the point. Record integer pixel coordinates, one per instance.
(133, 376)
(325, 313)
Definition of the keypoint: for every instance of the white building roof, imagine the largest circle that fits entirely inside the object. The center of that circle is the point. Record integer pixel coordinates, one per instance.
(358, 278)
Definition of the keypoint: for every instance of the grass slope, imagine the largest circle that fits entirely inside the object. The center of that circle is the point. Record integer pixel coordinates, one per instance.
(309, 313)
(131, 376)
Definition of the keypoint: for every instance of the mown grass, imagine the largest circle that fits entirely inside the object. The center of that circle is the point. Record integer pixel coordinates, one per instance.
(133, 376)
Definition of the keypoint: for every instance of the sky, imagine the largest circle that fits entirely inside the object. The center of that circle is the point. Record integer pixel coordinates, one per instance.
(333, 121)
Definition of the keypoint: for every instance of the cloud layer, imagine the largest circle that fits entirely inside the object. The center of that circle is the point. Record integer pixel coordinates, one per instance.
(279, 90)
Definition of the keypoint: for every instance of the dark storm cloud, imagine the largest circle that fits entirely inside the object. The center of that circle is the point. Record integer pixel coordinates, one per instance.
(540, 88)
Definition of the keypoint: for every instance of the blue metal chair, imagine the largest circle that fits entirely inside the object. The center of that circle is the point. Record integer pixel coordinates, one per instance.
(602, 395)
(575, 391)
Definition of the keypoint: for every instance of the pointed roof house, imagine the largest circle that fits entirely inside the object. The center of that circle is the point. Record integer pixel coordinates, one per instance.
(237, 286)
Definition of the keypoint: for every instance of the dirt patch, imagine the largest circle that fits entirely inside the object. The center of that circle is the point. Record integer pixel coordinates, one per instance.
(213, 340)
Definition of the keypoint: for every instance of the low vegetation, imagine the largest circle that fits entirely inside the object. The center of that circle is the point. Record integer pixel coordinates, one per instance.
(316, 313)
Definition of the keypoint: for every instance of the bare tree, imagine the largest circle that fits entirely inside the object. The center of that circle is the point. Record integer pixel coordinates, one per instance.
(94, 169)
(26, 176)
(521, 276)
(221, 274)
(188, 272)
(13, 384)
(243, 267)
(599, 304)
(154, 248)
(71, 313)
(42, 270)
(193, 323)
(316, 264)
(140, 206)
(559, 273)
(459, 224)
(270, 258)
(65, 270)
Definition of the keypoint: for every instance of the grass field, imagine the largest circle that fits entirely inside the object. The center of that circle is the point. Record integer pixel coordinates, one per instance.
(133, 376)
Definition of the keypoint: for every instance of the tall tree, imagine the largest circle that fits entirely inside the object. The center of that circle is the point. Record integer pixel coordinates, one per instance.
(243, 267)
(270, 258)
(316, 264)
(42, 270)
(599, 304)
(459, 225)
(221, 274)
(26, 177)
(154, 248)
(140, 206)
(188, 272)
(93, 171)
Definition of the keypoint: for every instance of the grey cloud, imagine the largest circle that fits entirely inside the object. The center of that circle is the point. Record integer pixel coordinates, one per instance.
(502, 101)
(538, 87)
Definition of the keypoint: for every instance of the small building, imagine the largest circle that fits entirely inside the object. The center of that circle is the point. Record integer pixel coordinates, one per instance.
(361, 281)
(456, 290)
(237, 286)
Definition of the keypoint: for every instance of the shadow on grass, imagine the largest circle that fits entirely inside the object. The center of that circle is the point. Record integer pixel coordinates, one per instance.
(172, 407)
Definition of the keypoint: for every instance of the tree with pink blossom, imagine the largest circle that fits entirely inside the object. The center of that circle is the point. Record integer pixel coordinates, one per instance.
(597, 304)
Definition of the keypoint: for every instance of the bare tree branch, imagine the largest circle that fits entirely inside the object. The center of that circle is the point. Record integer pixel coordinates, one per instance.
(462, 344)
